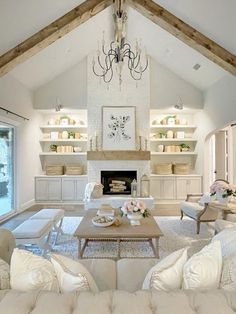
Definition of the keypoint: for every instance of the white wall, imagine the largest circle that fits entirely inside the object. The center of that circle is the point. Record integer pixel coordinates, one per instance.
(166, 87)
(70, 87)
(15, 97)
(219, 111)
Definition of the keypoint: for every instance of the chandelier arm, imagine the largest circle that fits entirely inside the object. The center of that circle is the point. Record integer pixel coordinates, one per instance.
(111, 76)
(145, 68)
(99, 62)
(108, 62)
(99, 75)
(136, 79)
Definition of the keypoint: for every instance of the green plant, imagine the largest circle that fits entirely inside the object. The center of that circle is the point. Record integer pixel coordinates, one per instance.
(71, 134)
(64, 117)
(183, 145)
(162, 134)
(53, 148)
(168, 117)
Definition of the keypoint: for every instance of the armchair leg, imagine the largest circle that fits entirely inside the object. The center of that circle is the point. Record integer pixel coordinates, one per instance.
(182, 215)
(198, 226)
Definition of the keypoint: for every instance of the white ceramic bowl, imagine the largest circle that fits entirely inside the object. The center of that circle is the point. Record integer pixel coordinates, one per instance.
(96, 222)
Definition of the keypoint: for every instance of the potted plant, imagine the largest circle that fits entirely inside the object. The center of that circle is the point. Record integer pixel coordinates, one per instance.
(184, 147)
(162, 134)
(53, 148)
(64, 120)
(134, 210)
(71, 135)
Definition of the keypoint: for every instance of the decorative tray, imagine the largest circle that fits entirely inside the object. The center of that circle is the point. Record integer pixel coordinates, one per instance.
(103, 221)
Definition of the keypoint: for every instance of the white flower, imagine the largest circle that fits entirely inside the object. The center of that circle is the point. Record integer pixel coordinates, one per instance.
(135, 209)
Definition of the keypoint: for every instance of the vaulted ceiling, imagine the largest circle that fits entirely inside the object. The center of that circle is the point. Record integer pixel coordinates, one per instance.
(23, 18)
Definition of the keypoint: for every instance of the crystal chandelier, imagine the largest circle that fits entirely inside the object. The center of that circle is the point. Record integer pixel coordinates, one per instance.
(119, 51)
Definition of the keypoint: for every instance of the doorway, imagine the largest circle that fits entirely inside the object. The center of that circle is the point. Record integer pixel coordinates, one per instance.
(7, 178)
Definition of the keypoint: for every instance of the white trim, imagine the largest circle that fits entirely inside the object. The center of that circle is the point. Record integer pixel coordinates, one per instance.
(26, 205)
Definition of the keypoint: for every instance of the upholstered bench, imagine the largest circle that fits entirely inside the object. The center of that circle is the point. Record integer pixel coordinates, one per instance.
(55, 215)
(34, 231)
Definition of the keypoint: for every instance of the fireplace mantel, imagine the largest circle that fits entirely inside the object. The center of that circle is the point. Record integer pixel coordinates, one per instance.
(118, 155)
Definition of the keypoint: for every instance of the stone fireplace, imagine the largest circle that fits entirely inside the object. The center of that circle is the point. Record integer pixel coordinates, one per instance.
(117, 182)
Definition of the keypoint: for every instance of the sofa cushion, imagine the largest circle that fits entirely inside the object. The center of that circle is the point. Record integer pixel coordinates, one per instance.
(117, 302)
(131, 272)
(4, 275)
(193, 210)
(72, 275)
(103, 272)
(203, 269)
(227, 238)
(168, 273)
(228, 277)
(31, 272)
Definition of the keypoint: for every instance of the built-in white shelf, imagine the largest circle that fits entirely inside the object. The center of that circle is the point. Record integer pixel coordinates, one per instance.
(173, 140)
(63, 140)
(74, 126)
(174, 154)
(62, 154)
(175, 126)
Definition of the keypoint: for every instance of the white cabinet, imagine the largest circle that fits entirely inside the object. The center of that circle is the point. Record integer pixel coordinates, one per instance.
(73, 189)
(48, 189)
(172, 187)
(60, 189)
(163, 188)
(186, 186)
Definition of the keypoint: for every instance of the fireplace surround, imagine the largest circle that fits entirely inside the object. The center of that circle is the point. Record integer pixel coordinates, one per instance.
(117, 181)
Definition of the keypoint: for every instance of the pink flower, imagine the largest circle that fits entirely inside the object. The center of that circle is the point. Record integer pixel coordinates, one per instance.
(141, 205)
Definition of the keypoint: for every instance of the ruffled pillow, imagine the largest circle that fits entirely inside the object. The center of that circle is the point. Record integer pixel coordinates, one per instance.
(4, 275)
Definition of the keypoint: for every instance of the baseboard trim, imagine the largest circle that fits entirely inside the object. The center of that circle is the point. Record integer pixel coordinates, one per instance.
(26, 205)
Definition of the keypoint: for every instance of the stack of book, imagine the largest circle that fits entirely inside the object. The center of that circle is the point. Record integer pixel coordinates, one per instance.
(117, 186)
(106, 210)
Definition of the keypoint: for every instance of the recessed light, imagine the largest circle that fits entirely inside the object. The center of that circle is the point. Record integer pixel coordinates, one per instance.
(196, 66)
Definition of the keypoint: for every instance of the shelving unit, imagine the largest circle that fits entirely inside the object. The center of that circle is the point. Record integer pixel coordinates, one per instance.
(173, 140)
(173, 154)
(176, 126)
(61, 127)
(63, 140)
(63, 154)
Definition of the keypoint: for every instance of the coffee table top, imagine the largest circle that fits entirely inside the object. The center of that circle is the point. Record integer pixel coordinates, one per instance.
(148, 229)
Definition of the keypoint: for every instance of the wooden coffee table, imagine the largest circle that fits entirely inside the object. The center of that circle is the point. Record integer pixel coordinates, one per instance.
(148, 231)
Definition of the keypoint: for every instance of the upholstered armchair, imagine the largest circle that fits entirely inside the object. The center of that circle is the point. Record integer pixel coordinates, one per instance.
(200, 213)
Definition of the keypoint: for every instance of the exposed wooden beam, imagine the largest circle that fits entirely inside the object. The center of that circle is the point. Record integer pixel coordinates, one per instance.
(51, 33)
(186, 33)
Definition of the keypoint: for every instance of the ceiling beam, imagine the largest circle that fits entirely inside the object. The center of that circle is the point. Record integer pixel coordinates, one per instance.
(186, 33)
(51, 33)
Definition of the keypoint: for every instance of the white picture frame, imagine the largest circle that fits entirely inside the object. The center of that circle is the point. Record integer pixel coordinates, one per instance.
(118, 128)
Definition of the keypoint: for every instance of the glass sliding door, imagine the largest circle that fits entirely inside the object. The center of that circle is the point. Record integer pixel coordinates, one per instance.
(7, 199)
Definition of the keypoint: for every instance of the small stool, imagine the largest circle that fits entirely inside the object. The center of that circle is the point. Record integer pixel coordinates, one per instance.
(55, 215)
(34, 232)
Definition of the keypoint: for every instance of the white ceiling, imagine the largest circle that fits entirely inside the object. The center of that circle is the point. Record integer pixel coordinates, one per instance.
(161, 46)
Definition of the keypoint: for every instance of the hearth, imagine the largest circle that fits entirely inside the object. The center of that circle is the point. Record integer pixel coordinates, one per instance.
(117, 182)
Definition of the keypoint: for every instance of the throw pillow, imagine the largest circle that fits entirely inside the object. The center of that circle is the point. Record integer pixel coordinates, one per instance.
(168, 273)
(206, 198)
(31, 272)
(227, 238)
(228, 277)
(4, 275)
(203, 269)
(72, 275)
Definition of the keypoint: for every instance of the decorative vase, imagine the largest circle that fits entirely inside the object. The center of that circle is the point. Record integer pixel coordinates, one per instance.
(135, 219)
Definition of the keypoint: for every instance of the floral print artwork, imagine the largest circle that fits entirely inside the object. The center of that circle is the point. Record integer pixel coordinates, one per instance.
(118, 128)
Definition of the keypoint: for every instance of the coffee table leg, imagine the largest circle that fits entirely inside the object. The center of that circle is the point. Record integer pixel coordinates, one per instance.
(155, 246)
(118, 248)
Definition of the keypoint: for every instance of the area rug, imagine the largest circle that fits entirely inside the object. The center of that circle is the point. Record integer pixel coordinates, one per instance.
(176, 235)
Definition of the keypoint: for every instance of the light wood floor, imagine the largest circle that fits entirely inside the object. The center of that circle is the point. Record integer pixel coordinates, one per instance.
(70, 211)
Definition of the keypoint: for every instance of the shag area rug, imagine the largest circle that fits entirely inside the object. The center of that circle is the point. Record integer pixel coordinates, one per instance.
(177, 234)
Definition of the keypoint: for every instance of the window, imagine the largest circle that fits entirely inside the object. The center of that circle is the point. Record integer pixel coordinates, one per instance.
(7, 199)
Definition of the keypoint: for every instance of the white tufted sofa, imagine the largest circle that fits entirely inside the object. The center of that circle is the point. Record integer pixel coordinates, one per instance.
(119, 284)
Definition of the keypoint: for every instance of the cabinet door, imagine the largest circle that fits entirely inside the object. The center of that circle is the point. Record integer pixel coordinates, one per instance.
(54, 189)
(187, 185)
(80, 188)
(168, 189)
(68, 189)
(41, 189)
(155, 188)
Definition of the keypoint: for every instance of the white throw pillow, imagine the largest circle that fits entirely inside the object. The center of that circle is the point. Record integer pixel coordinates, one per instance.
(206, 198)
(203, 269)
(228, 277)
(168, 273)
(31, 272)
(227, 238)
(72, 275)
(4, 275)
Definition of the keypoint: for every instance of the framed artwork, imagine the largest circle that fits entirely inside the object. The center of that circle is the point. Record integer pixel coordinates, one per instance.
(118, 128)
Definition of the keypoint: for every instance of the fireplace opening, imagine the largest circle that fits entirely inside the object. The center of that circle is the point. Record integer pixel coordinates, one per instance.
(117, 182)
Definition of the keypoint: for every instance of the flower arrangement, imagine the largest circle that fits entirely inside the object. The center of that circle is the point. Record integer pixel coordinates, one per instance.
(223, 188)
(134, 207)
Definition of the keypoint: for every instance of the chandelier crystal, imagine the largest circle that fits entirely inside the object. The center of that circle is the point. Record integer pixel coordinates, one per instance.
(119, 53)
